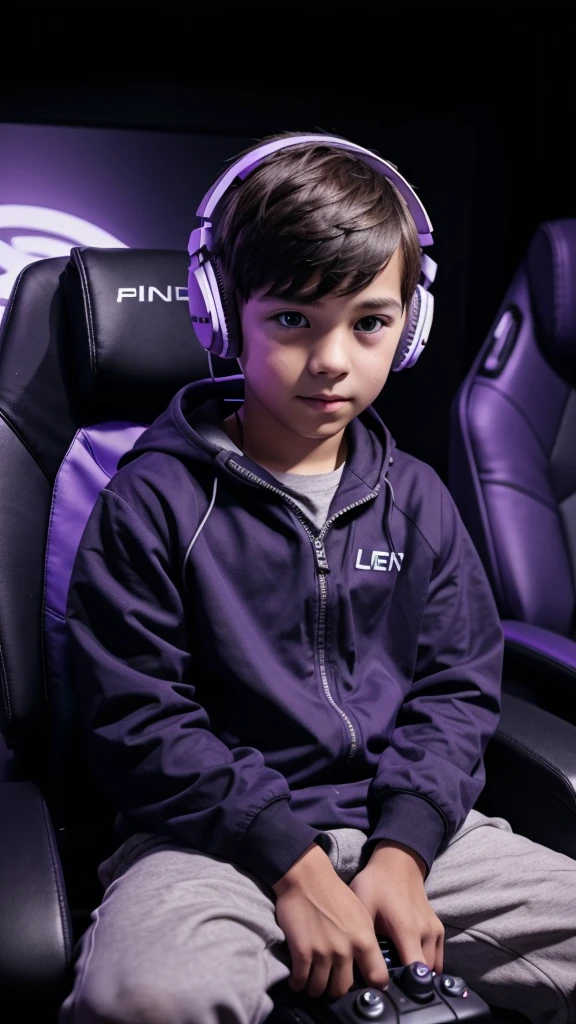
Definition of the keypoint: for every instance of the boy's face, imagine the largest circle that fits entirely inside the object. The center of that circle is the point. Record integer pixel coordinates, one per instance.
(341, 345)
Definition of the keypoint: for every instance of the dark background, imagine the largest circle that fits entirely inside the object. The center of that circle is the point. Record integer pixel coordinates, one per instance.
(476, 105)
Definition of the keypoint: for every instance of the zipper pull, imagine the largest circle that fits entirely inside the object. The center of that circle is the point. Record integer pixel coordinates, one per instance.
(321, 560)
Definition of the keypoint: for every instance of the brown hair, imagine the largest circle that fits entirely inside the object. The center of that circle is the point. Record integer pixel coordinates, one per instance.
(314, 216)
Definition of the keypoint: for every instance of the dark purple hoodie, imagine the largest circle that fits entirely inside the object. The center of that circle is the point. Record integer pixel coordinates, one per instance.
(247, 682)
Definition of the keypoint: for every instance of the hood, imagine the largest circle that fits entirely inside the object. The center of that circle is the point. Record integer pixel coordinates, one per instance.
(370, 444)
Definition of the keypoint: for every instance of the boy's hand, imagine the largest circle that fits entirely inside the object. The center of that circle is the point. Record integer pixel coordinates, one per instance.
(327, 928)
(391, 887)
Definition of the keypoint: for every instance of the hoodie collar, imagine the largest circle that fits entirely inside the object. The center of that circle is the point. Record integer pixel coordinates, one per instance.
(370, 444)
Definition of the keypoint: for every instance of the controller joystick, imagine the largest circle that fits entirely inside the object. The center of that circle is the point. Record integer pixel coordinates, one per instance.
(370, 1004)
(417, 982)
(453, 986)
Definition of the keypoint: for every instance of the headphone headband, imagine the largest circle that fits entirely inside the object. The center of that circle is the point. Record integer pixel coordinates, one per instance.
(247, 163)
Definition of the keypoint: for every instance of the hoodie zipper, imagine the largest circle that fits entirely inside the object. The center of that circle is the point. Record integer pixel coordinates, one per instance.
(323, 568)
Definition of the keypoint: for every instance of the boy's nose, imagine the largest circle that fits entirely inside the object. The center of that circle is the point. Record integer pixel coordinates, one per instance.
(330, 356)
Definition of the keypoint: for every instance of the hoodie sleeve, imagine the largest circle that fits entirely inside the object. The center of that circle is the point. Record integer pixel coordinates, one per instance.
(432, 772)
(149, 741)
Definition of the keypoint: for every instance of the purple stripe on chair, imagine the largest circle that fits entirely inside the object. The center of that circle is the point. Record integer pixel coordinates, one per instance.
(89, 464)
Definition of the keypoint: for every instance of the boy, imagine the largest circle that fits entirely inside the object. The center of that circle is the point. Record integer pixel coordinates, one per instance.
(289, 658)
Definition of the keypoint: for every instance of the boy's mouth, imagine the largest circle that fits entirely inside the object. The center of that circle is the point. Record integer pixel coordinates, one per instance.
(327, 404)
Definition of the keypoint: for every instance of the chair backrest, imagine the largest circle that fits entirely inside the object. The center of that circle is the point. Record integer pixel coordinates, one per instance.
(92, 349)
(512, 466)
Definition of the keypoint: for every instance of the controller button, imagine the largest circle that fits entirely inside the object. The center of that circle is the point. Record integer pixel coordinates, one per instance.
(453, 986)
(370, 1004)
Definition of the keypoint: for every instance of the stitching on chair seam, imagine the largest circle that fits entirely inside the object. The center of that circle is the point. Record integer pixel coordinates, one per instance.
(60, 894)
(536, 757)
(89, 322)
(517, 408)
(518, 490)
(43, 645)
(12, 426)
(93, 454)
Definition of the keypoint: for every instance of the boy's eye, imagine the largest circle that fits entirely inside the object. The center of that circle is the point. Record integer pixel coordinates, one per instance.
(292, 320)
(367, 325)
(371, 324)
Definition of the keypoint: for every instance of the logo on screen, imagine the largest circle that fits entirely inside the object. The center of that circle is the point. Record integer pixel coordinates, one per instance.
(31, 233)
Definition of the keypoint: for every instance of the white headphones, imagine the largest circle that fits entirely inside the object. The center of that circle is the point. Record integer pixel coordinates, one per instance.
(213, 312)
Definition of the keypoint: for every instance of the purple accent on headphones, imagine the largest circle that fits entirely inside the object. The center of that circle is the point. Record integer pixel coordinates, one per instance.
(242, 167)
(429, 268)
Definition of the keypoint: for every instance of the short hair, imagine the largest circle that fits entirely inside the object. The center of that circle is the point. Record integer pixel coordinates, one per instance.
(311, 220)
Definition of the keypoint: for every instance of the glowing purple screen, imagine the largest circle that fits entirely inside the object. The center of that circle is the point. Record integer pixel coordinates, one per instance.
(65, 186)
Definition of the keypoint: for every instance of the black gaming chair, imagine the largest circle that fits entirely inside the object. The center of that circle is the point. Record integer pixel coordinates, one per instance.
(91, 350)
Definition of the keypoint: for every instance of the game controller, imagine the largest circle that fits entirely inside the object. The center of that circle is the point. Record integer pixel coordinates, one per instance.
(414, 990)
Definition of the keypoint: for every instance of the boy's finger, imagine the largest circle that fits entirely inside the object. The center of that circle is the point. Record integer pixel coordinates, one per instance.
(300, 973)
(341, 978)
(409, 948)
(439, 957)
(430, 950)
(372, 967)
(319, 978)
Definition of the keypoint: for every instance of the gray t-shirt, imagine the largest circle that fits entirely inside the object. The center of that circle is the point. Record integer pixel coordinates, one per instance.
(312, 493)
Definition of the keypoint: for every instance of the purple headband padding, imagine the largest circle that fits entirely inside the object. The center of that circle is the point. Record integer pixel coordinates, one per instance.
(249, 161)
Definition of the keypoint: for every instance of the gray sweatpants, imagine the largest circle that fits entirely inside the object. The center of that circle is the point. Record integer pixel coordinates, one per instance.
(185, 938)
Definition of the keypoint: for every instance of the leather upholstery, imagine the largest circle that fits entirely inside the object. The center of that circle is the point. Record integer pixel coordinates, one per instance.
(35, 925)
(133, 346)
(512, 456)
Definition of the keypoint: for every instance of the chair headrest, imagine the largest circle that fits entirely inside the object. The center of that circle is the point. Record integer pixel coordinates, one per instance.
(552, 279)
(38, 393)
(132, 339)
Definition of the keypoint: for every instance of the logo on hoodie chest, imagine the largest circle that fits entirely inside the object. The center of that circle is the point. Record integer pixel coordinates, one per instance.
(381, 561)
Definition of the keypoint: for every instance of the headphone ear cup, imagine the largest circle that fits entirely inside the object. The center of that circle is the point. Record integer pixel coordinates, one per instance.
(202, 308)
(231, 330)
(416, 330)
(213, 314)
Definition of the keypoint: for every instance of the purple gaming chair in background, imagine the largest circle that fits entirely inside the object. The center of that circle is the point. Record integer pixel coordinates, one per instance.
(512, 468)
(91, 350)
